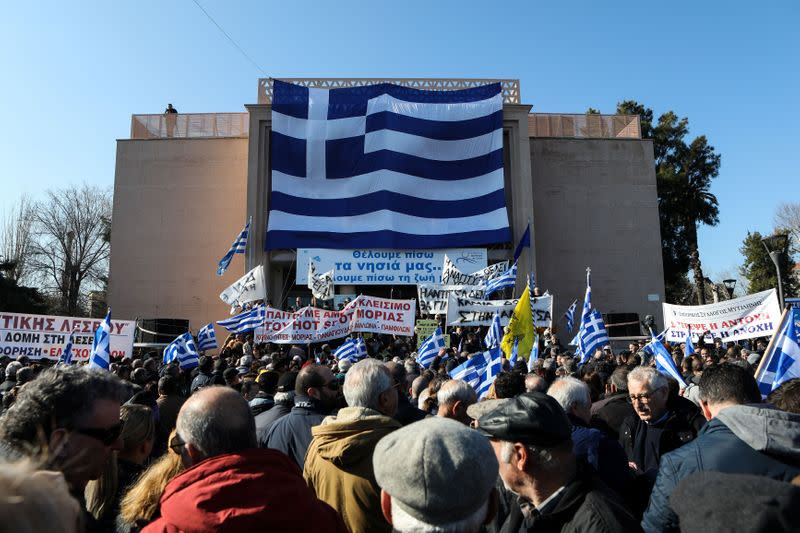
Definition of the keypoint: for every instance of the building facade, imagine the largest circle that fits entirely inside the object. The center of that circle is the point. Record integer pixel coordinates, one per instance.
(185, 185)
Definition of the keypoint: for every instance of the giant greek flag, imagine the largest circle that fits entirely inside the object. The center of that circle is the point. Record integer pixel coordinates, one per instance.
(384, 166)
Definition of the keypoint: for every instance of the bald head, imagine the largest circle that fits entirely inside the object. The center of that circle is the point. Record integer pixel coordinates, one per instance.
(216, 421)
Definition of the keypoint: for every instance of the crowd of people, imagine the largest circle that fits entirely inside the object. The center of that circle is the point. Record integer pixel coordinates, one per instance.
(287, 438)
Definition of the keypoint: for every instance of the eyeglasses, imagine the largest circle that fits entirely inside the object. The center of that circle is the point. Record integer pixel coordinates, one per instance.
(644, 398)
(176, 444)
(105, 435)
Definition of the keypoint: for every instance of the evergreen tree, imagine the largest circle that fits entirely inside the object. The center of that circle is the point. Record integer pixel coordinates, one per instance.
(759, 269)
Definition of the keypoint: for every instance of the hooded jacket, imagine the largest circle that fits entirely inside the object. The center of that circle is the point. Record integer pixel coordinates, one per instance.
(338, 465)
(252, 490)
(741, 439)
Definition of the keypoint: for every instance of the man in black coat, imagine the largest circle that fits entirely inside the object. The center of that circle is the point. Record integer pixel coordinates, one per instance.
(531, 437)
(609, 413)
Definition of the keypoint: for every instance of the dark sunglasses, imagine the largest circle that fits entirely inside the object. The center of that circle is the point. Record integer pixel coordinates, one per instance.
(105, 435)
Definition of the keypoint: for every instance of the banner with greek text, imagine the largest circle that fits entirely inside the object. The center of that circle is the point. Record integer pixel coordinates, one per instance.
(364, 314)
(754, 315)
(433, 297)
(248, 288)
(475, 312)
(44, 336)
(425, 328)
(321, 285)
(453, 275)
(387, 267)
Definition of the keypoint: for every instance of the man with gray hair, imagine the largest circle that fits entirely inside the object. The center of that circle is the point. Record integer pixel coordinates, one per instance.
(454, 397)
(11, 377)
(589, 444)
(436, 475)
(531, 438)
(535, 383)
(338, 465)
(229, 484)
(658, 426)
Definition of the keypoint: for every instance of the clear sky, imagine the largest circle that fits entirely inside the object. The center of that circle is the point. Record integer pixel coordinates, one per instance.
(74, 72)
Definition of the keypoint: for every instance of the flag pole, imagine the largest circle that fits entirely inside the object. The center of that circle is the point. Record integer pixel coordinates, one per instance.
(772, 340)
(530, 250)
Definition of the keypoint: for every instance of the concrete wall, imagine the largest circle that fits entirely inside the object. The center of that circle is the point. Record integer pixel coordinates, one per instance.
(178, 205)
(595, 204)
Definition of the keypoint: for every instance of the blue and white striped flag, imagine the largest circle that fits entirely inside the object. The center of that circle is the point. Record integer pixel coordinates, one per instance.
(504, 281)
(384, 166)
(472, 369)
(689, 346)
(238, 247)
(430, 348)
(207, 338)
(592, 335)
(570, 316)
(664, 362)
(488, 376)
(495, 334)
(353, 349)
(781, 361)
(247, 321)
(512, 360)
(534, 353)
(184, 350)
(66, 355)
(100, 356)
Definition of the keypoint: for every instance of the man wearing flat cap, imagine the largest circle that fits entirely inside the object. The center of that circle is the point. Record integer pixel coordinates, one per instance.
(531, 438)
(436, 475)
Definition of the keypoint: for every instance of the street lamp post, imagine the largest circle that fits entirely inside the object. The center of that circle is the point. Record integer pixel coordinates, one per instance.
(775, 246)
(730, 284)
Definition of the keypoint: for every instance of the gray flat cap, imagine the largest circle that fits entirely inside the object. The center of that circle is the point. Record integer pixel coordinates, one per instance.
(437, 470)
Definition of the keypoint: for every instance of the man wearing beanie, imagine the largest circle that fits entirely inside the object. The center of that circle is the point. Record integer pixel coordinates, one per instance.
(531, 438)
(436, 474)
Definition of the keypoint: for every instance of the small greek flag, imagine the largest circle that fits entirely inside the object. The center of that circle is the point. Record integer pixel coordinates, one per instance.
(238, 247)
(352, 349)
(207, 338)
(689, 346)
(429, 349)
(471, 371)
(570, 316)
(512, 361)
(66, 356)
(495, 334)
(781, 361)
(184, 350)
(664, 362)
(247, 321)
(505, 280)
(101, 346)
(488, 376)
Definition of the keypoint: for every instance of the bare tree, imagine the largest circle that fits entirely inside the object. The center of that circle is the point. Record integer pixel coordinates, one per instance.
(70, 251)
(15, 240)
(787, 218)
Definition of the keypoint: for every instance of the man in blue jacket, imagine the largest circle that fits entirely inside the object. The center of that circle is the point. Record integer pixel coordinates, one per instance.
(738, 439)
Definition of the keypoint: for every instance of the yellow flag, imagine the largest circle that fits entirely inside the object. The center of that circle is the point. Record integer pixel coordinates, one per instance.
(521, 325)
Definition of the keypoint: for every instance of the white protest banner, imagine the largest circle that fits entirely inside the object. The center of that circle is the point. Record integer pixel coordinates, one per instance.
(321, 285)
(248, 288)
(475, 312)
(452, 275)
(754, 315)
(44, 336)
(387, 267)
(365, 313)
(433, 297)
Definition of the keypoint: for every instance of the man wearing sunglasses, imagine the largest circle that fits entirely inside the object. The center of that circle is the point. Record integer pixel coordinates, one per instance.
(316, 396)
(71, 416)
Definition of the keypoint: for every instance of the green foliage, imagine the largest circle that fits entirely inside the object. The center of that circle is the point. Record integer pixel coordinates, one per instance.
(759, 269)
(16, 299)
(592, 111)
(684, 171)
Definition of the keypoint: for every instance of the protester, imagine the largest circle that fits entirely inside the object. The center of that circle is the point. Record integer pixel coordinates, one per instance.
(535, 383)
(229, 484)
(11, 377)
(33, 500)
(436, 475)
(406, 413)
(531, 438)
(284, 401)
(787, 396)
(204, 377)
(455, 397)
(316, 395)
(169, 404)
(739, 438)
(338, 466)
(71, 416)
(609, 413)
